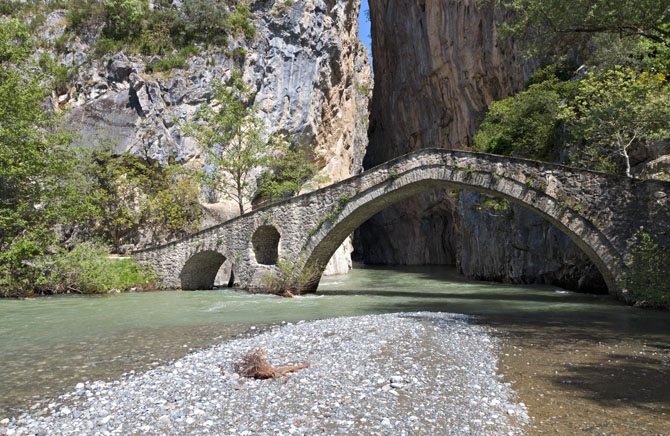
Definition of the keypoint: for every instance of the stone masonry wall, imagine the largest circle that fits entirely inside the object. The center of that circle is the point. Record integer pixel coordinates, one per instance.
(600, 212)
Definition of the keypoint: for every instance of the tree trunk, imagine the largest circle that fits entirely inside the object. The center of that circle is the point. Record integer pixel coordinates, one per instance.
(240, 201)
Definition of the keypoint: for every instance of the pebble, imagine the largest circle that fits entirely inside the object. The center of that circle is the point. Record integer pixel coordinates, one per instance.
(436, 359)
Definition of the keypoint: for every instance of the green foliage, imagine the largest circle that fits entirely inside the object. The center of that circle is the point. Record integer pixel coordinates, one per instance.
(158, 65)
(33, 159)
(131, 24)
(205, 20)
(610, 51)
(87, 268)
(292, 173)
(240, 22)
(591, 120)
(612, 112)
(174, 207)
(36, 190)
(85, 15)
(27, 8)
(337, 210)
(527, 124)
(561, 26)
(234, 137)
(61, 75)
(126, 195)
(646, 278)
(50, 191)
(494, 206)
(291, 276)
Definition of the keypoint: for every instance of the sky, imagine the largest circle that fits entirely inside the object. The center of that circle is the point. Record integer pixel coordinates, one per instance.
(364, 26)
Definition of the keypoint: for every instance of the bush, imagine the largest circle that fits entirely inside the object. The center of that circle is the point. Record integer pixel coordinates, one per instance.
(61, 75)
(87, 268)
(646, 277)
(158, 31)
(167, 64)
(105, 46)
(527, 124)
(125, 18)
(85, 14)
(291, 277)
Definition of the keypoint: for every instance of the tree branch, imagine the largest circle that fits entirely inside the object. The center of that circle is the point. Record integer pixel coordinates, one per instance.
(620, 29)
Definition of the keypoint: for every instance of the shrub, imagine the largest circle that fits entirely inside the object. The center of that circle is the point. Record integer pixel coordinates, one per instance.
(525, 125)
(646, 277)
(291, 277)
(125, 18)
(85, 14)
(87, 268)
(167, 63)
(107, 45)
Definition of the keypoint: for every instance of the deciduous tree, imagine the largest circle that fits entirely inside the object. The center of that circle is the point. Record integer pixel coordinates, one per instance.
(612, 112)
(234, 138)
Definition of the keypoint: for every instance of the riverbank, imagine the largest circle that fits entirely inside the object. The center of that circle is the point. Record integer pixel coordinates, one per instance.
(418, 373)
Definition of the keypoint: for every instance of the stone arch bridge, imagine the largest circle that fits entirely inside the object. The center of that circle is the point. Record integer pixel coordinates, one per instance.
(601, 213)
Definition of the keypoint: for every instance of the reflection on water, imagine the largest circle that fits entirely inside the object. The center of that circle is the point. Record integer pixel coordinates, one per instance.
(47, 345)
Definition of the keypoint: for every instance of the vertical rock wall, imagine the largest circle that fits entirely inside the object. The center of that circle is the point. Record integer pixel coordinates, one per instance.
(438, 64)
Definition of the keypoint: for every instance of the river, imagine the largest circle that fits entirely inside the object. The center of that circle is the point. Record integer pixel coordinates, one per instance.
(583, 364)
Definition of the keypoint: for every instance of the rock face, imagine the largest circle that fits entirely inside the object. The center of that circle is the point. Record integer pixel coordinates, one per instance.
(435, 74)
(309, 70)
(519, 246)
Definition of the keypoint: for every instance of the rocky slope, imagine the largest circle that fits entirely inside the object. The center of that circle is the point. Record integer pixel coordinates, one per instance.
(435, 73)
(309, 70)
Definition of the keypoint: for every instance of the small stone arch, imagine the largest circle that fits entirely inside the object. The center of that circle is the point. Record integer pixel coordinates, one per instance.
(265, 243)
(199, 271)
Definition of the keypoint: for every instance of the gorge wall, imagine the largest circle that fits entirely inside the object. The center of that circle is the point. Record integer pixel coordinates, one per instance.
(309, 72)
(435, 73)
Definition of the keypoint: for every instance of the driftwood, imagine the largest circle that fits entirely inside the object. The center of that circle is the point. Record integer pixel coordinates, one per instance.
(255, 365)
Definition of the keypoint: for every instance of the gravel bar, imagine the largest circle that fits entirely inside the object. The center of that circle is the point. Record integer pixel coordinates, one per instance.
(394, 374)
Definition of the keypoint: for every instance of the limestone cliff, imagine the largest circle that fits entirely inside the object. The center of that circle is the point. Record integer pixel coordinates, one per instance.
(435, 73)
(309, 70)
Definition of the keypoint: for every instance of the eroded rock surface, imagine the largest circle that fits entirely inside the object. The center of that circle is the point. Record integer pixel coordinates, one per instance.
(309, 72)
(519, 246)
(435, 74)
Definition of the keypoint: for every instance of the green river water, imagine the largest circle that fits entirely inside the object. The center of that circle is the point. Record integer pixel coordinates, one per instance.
(47, 345)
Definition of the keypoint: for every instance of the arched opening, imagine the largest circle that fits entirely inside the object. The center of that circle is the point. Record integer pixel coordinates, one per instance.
(586, 237)
(265, 242)
(199, 272)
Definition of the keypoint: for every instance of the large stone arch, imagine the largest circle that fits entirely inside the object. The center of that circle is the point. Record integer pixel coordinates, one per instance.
(401, 185)
(199, 271)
